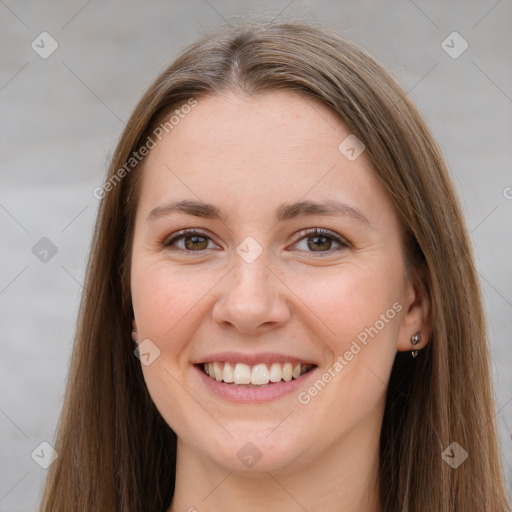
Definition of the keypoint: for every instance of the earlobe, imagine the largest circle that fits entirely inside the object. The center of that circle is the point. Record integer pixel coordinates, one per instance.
(416, 325)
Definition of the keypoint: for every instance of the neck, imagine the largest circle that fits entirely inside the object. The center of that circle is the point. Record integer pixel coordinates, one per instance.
(343, 477)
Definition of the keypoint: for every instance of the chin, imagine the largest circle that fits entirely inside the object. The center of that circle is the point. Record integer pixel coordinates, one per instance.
(254, 448)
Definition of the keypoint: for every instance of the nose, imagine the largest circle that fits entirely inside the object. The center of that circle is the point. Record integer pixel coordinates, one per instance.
(253, 298)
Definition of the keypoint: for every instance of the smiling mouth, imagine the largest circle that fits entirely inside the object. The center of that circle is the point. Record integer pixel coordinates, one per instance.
(254, 375)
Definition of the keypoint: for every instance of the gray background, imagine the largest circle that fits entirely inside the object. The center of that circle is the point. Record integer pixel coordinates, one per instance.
(61, 117)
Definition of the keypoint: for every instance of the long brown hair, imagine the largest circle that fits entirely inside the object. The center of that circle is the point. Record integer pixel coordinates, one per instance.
(115, 450)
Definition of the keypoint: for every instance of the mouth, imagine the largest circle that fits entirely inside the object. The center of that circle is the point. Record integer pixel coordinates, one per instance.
(256, 375)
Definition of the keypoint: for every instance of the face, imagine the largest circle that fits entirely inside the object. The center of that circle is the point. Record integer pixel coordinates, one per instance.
(306, 324)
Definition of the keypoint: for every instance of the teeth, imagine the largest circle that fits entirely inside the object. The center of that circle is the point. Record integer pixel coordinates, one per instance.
(287, 371)
(257, 375)
(217, 371)
(275, 372)
(242, 374)
(227, 374)
(260, 374)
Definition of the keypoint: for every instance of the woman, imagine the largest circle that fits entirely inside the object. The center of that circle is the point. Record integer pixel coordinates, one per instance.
(279, 237)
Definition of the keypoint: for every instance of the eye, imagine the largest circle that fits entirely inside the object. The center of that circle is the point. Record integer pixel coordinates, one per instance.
(317, 241)
(193, 241)
(320, 241)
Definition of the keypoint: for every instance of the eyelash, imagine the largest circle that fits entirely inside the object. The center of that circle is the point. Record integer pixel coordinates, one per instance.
(302, 234)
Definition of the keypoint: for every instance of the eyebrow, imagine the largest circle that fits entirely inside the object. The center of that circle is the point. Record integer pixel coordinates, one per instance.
(285, 211)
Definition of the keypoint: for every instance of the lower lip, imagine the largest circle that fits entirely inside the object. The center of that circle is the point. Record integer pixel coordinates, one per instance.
(243, 394)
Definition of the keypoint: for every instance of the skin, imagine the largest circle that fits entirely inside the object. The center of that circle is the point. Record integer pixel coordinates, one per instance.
(247, 156)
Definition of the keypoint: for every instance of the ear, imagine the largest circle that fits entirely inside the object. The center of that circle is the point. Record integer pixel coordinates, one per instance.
(418, 314)
(135, 336)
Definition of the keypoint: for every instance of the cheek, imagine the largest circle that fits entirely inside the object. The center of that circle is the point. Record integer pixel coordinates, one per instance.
(164, 299)
(359, 311)
(349, 301)
(166, 303)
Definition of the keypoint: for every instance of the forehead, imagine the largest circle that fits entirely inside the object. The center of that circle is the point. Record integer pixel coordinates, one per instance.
(265, 127)
(250, 152)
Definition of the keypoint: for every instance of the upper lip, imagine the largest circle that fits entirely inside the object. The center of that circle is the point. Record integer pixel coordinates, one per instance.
(252, 359)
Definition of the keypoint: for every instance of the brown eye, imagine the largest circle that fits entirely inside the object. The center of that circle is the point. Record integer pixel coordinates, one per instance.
(320, 241)
(193, 241)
